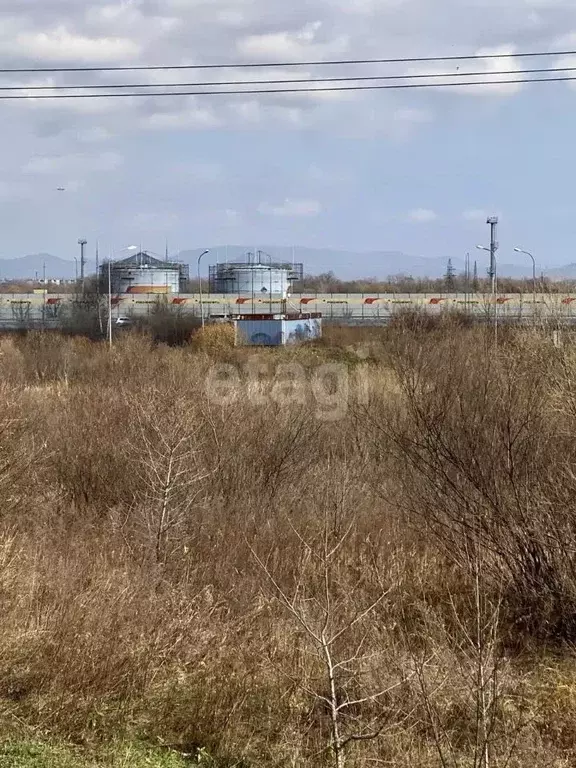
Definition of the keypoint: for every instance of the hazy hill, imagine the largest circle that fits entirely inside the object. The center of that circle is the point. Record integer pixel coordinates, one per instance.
(346, 265)
(28, 267)
(349, 265)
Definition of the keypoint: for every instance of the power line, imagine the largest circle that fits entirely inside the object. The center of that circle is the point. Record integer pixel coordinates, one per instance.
(254, 91)
(303, 81)
(253, 65)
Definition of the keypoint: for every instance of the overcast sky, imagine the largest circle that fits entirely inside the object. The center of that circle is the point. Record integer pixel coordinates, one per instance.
(416, 171)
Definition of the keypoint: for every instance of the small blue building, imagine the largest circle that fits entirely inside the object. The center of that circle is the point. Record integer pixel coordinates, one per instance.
(277, 331)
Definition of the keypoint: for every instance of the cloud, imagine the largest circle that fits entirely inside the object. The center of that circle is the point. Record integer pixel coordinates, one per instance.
(200, 172)
(61, 45)
(480, 70)
(512, 66)
(324, 176)
(232, 217)
(93, 135)
(568, 42)
(154, 221)
(293, 209)
(15, 190)
(55, 165)
(413, 116)
(422, 216)
(251, 136)
(283, 45)
(196, 32)
(475, 214)
(191, 117)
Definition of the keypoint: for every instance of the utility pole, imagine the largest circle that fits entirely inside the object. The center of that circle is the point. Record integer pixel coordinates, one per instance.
(98, 288)
(82, 243)
(475, 278)
(467, 283)
(494, 245)
(204, 253)
(533, 260)
(449, 277)
(110, 302)
(492, 269)
(44, 295)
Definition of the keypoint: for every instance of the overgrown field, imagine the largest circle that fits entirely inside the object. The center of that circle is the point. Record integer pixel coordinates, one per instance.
(356, 553)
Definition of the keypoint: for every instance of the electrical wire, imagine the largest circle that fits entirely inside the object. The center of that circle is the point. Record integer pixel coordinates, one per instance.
(254, 65)
(301, 81)
(254, 91)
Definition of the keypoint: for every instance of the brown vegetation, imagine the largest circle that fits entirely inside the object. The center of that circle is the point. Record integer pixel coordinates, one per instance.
(330, 283)
(354, 553)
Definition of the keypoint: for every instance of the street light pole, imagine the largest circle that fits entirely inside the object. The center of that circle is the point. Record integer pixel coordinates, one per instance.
(44, 295)
(200, 286)
(129, 248)
(82, 242)
(527, 253)
(467, 283)
(494, 276)
(110, 301)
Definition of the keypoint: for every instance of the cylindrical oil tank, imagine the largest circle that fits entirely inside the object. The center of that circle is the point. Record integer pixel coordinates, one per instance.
(144, 279)
(252, 279)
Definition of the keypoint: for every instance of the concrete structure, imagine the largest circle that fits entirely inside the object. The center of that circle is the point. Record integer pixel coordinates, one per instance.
(270, 331)
(144, 274)
(34, 309)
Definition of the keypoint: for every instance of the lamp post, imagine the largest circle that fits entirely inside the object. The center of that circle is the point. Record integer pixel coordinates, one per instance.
(494, 275)
(44, 295)
(527, 253)
(82, 242)
(467, 282)
(110, 301)
(204, 253)
(129, 248)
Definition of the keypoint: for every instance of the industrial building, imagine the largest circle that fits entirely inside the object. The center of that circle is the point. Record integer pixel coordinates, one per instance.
(143, 273)
(261, 283)
(255, 277)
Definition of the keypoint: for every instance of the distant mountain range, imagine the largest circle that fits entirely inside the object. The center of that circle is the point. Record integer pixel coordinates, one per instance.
(346, 265)
(32, 266)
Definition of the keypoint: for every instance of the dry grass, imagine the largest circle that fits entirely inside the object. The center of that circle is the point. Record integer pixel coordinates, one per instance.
(215, 339)
(168, 561)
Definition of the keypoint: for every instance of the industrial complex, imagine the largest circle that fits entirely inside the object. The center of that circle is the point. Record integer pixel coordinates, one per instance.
(259, 295)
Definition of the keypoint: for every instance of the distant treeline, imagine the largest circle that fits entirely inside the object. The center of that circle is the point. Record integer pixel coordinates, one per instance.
(328, 282)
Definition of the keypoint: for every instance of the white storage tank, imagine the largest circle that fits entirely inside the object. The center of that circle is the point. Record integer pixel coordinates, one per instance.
(255, 277)
(143, 273)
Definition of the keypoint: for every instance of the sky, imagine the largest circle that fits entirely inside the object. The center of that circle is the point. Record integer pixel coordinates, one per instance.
(411, 170)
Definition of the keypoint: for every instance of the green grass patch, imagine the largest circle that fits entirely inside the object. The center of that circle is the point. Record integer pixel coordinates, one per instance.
(34, 754)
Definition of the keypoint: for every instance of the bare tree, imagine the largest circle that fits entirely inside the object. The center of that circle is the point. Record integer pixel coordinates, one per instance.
(169, 464)
(336, 621)
(477, 671)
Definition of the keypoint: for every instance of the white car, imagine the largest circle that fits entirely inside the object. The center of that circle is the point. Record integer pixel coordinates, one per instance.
(124, 321)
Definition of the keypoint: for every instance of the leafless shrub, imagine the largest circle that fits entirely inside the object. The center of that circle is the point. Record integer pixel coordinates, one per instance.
(336, 621)
(170, 471)
(408, 550)
(481, 461)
